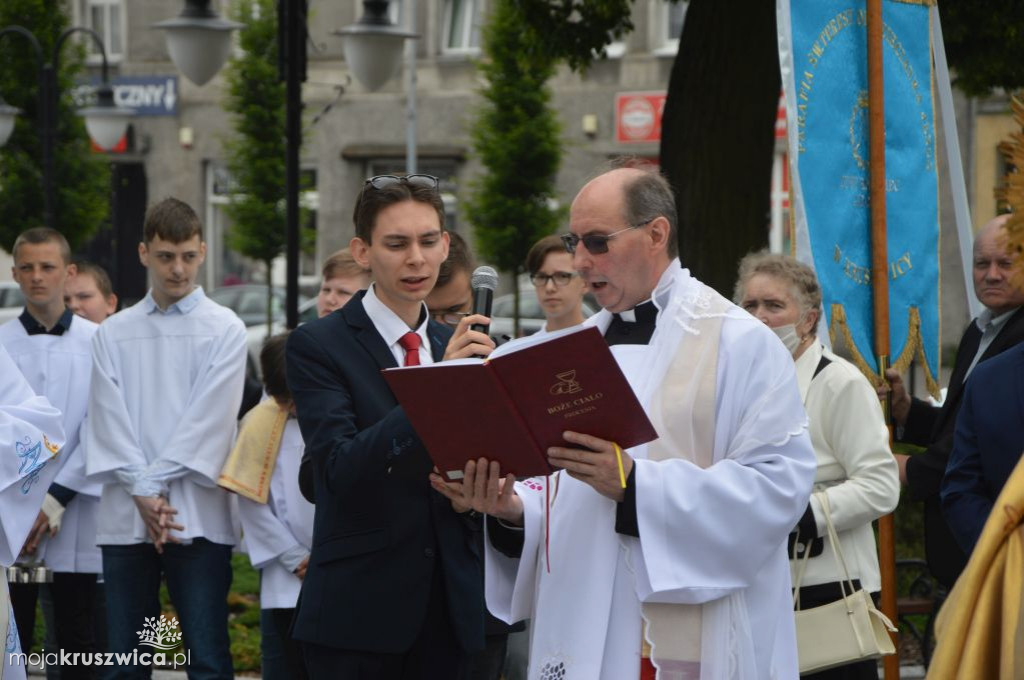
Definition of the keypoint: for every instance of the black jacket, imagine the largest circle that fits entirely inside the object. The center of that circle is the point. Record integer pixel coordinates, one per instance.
(379, 530)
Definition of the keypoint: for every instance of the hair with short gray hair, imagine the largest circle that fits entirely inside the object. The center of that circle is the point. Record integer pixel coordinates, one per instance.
(648, 196)
(801, 278)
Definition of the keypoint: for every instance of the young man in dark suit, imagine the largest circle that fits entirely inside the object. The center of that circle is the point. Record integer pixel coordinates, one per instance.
(998, 328)
(394, 584)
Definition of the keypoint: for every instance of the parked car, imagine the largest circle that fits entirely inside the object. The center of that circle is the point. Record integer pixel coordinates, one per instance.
(256, 334)
(11, 301)
(249, 302)
(531, 316)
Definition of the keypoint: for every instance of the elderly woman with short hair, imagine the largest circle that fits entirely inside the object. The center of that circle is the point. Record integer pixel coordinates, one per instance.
(856, 468)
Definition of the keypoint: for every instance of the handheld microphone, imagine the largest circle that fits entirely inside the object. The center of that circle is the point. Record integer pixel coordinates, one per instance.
(483, 282)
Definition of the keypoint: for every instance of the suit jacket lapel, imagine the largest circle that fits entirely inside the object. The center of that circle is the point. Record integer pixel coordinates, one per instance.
(439, 336)
(366, 333)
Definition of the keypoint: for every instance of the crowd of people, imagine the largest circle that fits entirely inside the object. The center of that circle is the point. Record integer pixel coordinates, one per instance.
(128, 466)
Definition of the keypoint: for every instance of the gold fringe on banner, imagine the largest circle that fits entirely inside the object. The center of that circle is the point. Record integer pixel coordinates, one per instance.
(913, 347)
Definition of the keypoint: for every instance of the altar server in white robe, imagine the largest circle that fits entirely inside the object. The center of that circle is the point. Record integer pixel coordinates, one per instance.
(31, 434)
(683, 573)
(166, 386)
(51, 347)
(278, 528)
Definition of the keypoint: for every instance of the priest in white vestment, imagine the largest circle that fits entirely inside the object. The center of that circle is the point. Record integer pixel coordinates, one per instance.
(683, 573)
(31, 435)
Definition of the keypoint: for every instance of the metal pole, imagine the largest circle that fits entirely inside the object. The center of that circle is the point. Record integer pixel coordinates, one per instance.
(880, 290)
(294, 58)
(410, 89)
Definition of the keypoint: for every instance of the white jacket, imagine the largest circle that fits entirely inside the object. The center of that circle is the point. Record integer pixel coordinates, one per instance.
(856, 468)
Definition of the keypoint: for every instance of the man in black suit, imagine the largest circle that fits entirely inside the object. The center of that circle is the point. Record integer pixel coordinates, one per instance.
(394, 584)
(998, 328)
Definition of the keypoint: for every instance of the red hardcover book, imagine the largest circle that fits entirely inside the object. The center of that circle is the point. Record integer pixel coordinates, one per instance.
(514, 405)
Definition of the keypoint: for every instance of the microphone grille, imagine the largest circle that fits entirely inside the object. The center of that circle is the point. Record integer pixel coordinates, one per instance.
(484, 277)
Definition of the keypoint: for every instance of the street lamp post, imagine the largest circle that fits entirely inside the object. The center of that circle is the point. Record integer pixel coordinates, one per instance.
(105, 122)
(373, 50)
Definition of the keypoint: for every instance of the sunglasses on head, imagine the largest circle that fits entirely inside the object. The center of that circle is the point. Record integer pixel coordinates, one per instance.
(384, 181)
(597, 244)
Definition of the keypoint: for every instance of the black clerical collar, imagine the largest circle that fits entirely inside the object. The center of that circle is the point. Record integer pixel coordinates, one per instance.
(33, 327)
(634, 326)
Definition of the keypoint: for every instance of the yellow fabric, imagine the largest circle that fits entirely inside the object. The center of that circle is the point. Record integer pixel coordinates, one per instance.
(248, 469)
(979, 631)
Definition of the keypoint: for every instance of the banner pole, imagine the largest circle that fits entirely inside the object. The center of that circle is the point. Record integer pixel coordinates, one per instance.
(880, 290)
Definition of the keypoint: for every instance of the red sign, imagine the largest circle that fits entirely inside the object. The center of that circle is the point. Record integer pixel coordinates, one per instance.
(638, 116)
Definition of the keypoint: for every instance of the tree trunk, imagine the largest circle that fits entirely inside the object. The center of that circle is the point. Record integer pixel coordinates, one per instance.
(718, 135)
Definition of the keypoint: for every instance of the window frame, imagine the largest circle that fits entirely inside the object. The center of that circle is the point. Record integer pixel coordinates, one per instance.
(83, 17)
(465, 48)
(664, 45)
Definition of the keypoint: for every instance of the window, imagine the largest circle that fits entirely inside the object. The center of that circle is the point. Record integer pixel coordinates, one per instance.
(106, 17)
(669, 25)
(461, 27)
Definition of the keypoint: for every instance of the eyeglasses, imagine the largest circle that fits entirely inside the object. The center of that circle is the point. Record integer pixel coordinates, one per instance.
(560, 278)
(597, 244)
(384, 181)
(449, 318)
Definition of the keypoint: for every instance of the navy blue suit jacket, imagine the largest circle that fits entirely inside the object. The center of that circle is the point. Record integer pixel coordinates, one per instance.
(379, 530)
(988, 442)
(933, 428)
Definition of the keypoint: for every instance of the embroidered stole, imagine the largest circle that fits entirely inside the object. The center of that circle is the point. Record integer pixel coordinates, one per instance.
(682, 410)
(248, 469)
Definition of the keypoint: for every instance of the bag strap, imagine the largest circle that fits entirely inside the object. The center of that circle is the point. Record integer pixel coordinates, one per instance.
(837, 551)
(800, 573)
(837, 548)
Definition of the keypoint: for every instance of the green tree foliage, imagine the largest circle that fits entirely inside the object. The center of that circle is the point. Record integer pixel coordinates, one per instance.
(577, 31)
(256, 153)
(517, 139)
(983, 43)
(82, 178)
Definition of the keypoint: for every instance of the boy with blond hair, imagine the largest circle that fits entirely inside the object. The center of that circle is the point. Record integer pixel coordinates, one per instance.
(51, 347)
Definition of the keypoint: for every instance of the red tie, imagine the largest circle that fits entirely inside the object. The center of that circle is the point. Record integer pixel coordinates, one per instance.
(410, 342)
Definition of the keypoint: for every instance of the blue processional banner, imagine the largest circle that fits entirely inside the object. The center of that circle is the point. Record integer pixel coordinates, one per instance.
(823, 52)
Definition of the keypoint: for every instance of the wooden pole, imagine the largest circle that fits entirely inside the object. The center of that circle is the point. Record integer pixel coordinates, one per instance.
(880, 290)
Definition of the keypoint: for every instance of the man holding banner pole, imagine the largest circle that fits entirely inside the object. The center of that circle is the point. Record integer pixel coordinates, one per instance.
(998, 328)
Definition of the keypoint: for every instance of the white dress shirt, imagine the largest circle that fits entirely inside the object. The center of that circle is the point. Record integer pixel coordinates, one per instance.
(391, 328)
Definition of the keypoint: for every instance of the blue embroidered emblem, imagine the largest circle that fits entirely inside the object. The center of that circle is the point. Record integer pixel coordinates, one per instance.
(12, 644)
(30, 463)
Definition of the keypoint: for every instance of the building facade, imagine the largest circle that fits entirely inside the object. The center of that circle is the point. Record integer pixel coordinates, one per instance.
(175, 146)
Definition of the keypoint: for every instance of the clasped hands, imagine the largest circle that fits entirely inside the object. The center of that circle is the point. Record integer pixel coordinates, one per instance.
(158, 516)
(484, 490)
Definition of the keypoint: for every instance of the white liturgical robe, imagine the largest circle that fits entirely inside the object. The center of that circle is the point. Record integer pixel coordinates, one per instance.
(166, 389)
(284, 523)
(712, 535)
(31, 434)
(58, 367)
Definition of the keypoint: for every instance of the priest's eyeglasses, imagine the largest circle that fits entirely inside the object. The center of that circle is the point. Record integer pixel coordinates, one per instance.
(384, 181)
(597, 244)
(560, 279)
